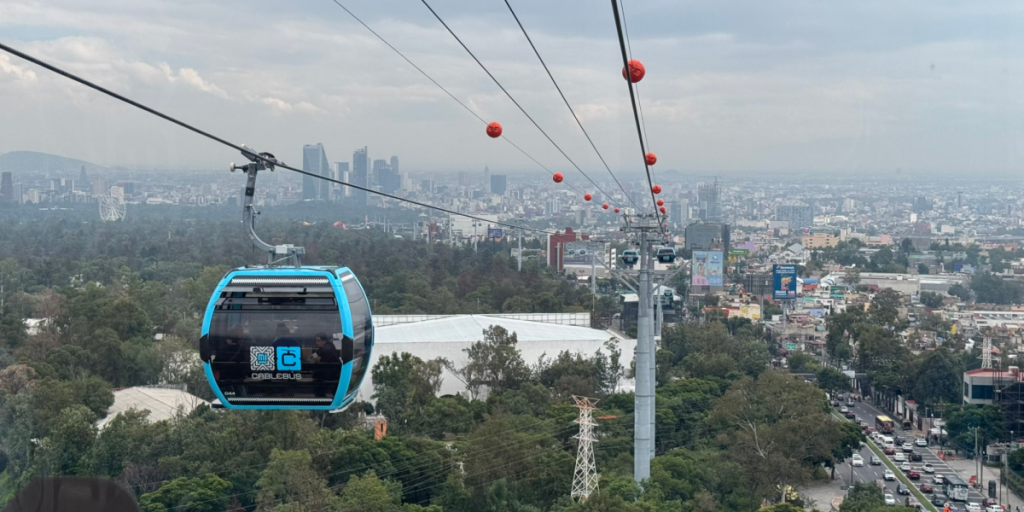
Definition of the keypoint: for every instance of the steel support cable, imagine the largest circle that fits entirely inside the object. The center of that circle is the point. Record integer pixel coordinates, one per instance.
(632, 102)
(521, 109)
(239, 148)
(639, 104)
(573, 112)
(446, 91)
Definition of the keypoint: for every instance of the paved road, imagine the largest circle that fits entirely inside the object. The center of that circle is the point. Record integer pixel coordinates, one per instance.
(869, 473)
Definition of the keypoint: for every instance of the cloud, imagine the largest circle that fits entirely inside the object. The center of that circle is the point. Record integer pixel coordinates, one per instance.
(19, 72)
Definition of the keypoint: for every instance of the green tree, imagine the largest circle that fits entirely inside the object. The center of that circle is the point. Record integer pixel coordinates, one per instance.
(495, 362)
(289, 484)
(937, 380)
(922, 269)
(989, 421)
(959, 291)
(852, 278)
(188, 494)
(800, 362)
(883, 309)
(832, 380)
(404, 384)
(370, 494)
(931, 300)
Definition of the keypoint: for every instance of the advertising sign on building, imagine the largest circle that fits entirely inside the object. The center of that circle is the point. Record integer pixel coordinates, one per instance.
(784, 279)
(707, 268)
(494, 233)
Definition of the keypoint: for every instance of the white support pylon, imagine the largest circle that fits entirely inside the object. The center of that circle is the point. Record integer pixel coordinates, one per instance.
(584, 479)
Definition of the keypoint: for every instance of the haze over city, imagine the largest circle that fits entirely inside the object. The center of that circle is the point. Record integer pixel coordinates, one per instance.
(739, 87)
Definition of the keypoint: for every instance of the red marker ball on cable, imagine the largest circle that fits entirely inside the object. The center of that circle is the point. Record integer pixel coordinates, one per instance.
(656, 189)
(662, 209)
(661, 202)
(636, 71)
(558, 177)
(605, 206)
(616, 210)
(494, 129)
(587, 197)
(651, 158)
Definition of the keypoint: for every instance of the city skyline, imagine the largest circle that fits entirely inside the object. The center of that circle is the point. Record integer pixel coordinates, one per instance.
(925, 90)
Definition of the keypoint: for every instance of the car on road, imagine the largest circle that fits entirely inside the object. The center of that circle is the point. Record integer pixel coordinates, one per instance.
(938, 500)
(922, 442)
(905, 467)
(890, 499)
(876, 460)
(889, 475)
(902, 489)
(927, 488)
(973, 507)
(928, 468)
(835, 403)
(881, 484)
(898, 440)
(857, 460)
(899, 457)
(844, 410)
(850, 414)
(994, 508)
(907, 447)
(869, 429)
(889, 450)
(913, 474)
(938, 480)
(916, 457)
(914, 503)
(849, 402)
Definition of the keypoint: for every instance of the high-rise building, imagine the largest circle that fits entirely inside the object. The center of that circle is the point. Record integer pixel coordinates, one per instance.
(498, 184)
(706, 236)
(7, 188)
(99, 186)
(360, 175)
(463, 178)
(394, 165)
(675, 212)
(314, 160)
(387, 179)
(487, 176)
(83, 181)
(797, 214)
(709, 205)
(922, 204)
(341, 173)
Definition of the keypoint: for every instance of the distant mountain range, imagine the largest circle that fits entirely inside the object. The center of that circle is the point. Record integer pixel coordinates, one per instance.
(25, 161)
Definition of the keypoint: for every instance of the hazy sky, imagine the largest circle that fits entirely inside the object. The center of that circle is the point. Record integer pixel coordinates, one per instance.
(872, 85)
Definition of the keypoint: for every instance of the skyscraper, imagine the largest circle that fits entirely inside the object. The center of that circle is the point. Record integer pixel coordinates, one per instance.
(394, 166)
(83, 180)
(341, 172)
(798, 215)
(360, 175)
(498, 184)
(314, 160)
(7, 188)
(487, 176)
(709, 206)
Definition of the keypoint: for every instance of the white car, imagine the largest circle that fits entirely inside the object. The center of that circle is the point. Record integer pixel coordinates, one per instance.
(938, 480)
(844, 410)
(928, 468)
(890, 499)
(907, 447)
(922, 442)
(972, 507)
(905, 467)
(889, 475)
(858, 461)
(899, 457)
(994, 508)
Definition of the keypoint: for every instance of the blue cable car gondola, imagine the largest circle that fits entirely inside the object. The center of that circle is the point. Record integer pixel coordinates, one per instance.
(630, 257)
(279, 337)
(666, 255)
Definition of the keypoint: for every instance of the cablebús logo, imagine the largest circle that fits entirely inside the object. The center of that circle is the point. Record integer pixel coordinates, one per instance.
(286, 359)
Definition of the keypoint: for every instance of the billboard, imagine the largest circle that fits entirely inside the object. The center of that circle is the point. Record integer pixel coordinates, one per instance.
(784, 282)
(493, 232)
(579, 253)
(707, 268)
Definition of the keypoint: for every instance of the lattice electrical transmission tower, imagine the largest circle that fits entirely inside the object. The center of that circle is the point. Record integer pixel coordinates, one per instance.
(584, 479)
(986, 353)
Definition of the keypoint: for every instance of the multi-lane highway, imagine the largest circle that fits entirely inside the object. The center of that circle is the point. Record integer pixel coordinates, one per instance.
(868, 473)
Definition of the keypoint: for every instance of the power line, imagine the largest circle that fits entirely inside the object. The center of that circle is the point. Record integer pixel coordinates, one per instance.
(632, 102)
(639, 104)
(446, 91)
(265, 160)
(578, 123)
(521, 109)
